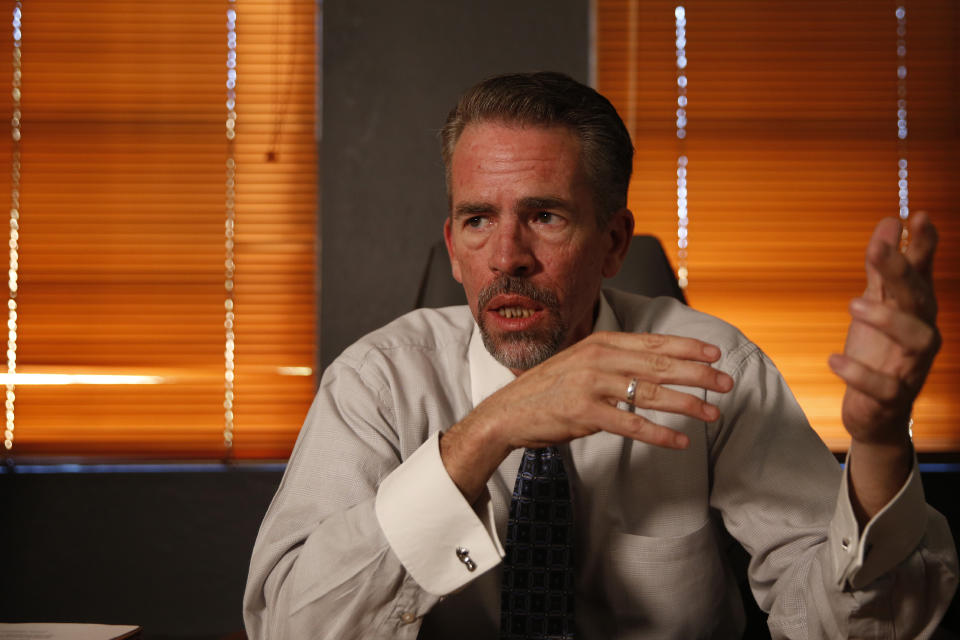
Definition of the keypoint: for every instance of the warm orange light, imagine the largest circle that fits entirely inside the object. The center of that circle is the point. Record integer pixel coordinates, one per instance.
(122, 238)
(20, 379)
(792, 159)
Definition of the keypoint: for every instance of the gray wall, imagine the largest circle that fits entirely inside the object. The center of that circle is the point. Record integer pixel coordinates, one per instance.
(391, 72)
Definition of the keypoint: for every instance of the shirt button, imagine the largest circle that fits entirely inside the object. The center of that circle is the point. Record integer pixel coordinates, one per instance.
(845, 544)
(407, 617)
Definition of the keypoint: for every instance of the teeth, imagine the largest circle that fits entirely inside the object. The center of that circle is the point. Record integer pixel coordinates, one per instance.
(514, 312)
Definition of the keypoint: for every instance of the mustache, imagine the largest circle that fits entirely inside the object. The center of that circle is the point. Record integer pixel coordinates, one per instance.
(505, 284)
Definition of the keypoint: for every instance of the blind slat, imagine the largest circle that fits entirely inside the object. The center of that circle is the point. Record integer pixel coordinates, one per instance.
(121, 247)
(793, 154)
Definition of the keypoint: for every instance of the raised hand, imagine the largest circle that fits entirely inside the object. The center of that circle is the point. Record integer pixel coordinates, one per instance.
(893, 336)
(890, 347)
(575, 393)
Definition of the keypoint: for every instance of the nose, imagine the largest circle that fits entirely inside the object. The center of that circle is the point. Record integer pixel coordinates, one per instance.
(512, 251)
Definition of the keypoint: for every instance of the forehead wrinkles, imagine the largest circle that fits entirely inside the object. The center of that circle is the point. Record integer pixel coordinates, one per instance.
(494, 149)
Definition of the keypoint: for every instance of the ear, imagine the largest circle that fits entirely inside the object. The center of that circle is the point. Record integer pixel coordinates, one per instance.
(620, 232)
(448, 240)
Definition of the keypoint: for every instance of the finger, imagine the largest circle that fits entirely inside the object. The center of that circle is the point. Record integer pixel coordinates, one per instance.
(674, 346)
(884, 388)
(650, 395)
(662, 369)
(665, 370)
(660, 365)
(885, 237)
(907, 330)
(923, 244)
(903, 285)
(637, 427)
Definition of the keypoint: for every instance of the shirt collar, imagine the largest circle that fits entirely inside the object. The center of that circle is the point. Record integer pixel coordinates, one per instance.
(487, 375)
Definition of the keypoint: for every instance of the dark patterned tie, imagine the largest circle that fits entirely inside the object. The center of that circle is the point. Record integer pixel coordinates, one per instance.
(537, 590)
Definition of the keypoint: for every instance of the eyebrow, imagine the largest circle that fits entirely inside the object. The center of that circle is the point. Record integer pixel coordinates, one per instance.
(546, 202)
(473, 208)
(466, 209)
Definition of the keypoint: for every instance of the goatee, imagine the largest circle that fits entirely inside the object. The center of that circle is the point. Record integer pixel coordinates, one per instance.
(522, 350)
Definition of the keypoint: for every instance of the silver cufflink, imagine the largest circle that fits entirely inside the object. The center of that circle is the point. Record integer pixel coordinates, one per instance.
(464, 556)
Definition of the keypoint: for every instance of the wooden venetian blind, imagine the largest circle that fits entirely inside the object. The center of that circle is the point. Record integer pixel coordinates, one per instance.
(122, 218)
(793, 151)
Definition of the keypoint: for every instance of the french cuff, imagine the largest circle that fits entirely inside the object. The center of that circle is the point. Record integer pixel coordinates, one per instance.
(890, 536)
(441, 540)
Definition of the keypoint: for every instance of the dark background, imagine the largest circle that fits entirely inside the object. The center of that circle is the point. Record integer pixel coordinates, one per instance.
(169, 551)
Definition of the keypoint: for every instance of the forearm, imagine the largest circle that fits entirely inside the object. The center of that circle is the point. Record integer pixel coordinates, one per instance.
(890, 578)
(381, 564)
(868, 598)
(906, 602)
(814, 568)
(342, 582)
(322, 565)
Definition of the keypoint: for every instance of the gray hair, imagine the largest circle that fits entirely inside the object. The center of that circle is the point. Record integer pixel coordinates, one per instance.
(553, 99)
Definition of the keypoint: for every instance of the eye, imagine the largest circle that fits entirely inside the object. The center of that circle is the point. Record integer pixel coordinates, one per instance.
(475, 222)
(546, 217)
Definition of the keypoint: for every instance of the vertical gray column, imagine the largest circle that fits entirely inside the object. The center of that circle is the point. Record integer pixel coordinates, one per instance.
(391, 72)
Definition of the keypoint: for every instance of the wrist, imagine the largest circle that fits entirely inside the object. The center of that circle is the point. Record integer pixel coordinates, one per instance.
(471, 452)
(888, 448)
(877, 472)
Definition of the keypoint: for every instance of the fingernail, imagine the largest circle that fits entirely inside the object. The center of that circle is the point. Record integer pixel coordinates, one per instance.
(724, 382)
(681, 440)
(711, 351)
(859, 305)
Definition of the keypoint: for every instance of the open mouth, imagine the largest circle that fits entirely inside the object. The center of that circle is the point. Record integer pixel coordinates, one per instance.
(515, 308)
(515, 304)
(515, 312)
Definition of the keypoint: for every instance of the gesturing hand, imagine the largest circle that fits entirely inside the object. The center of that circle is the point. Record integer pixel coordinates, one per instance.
(575, 393)
(893, 336)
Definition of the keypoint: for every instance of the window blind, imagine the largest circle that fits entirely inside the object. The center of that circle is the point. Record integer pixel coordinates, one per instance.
(793, 153)
(122, 226)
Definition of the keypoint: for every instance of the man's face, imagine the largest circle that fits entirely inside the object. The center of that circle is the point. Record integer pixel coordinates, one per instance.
(524, 241)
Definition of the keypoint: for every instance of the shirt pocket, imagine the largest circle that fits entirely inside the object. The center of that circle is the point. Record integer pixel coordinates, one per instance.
(667, 583)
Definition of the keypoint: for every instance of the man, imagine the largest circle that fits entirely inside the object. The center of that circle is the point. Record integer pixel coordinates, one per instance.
(382, 528)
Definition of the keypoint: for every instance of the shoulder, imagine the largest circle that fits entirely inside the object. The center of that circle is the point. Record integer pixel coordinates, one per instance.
(640, 314)
(422, 334)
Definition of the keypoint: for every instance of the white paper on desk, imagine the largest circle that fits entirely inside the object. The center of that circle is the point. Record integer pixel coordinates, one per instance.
(65, 631)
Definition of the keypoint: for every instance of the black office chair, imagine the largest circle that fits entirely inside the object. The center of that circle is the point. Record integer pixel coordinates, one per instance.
(646, 270)
(437, 286)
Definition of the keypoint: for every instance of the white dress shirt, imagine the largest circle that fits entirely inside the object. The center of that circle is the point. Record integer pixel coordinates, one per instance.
(362, 538)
